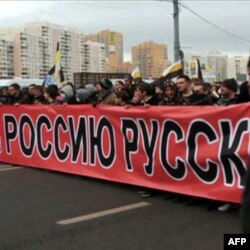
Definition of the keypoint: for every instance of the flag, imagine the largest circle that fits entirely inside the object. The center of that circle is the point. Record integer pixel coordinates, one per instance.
(136, 73)
(55, 74)
(199, 72)
(173, 70)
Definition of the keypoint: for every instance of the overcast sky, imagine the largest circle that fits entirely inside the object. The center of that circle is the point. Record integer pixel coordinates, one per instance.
(141, 21)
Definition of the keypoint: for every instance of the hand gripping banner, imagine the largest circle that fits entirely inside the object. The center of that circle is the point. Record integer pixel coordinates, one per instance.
(199, 151)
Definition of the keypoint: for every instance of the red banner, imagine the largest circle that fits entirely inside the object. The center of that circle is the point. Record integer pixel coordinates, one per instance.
(198, 151)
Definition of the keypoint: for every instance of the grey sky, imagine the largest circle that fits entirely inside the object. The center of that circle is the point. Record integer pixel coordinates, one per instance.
(141, 21)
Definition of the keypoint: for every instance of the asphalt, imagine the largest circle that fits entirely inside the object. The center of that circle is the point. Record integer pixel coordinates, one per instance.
(33, 201)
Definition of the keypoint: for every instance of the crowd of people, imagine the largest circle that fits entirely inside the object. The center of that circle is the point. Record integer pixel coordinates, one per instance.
(126, 92)
(133, 92)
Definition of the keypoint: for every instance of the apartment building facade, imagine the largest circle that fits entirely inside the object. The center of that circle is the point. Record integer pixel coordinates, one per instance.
(113, 42)
(28, 54)
(69, 46)
(93, 57)
(214, 65)
(152, 59)
(6, 59)
(237, 68)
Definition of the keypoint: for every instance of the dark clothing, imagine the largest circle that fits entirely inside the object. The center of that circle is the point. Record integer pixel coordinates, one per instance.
(130, 89)
(106, 96)
(191, 99)
(204, 100)
(39, 100)
(152, 100)
(224, 102)
(177, 100)
(26, 99)
(17, 99)
(243, 94)
(245, 221)
(4, 99)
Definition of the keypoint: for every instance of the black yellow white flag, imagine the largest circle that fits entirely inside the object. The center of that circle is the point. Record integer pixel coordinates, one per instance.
(55, 74)
(173, 70)
(136, 73)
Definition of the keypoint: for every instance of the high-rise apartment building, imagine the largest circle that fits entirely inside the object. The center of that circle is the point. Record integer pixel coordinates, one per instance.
(34, 48)
(125, 67)
(28, 53)
(69, 45)
(113, 47)
(152, 58)
(93, 57)
(6, 59)
(213, 65)
(237, 68)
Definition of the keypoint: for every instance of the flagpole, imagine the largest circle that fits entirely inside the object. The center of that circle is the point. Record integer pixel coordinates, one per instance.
(176, 31)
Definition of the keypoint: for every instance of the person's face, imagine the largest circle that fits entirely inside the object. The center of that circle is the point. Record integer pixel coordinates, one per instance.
(127, 82)
(169, 92)
(138, 95)
(182, 85)
(98, 87)
(198, 89)
(36, 92)
(46, 95)
(118, 86)
(225, 91)
(12, 91)
(31, 90)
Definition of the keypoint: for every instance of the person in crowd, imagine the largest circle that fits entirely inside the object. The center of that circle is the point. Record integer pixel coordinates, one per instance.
(52, 96)
(229, 88)
(145, 95)
(105, 92)
(171, 95)
(215, 89)
(243, 93)
(4, 96)
(31, 88)
(185, 88)
(119, 85)
(15, 94)
(195, 81)
(68, 93)
(129, 86)
(38, 93)
(86, 95)
(203, 90)
(122, 98)
(28, 96)
(159, 88)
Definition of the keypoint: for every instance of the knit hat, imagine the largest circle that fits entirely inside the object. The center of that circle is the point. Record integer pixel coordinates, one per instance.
(90, 88)
(230, 84)
(67, 90)
(105, 84)
(169, 83)
(82, 95)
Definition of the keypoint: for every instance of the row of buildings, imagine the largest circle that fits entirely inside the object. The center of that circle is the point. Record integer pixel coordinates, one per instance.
(28, 52)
